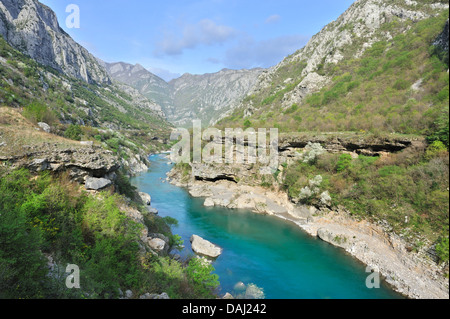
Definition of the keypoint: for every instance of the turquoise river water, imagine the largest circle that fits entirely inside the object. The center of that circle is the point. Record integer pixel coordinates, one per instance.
(264, 250)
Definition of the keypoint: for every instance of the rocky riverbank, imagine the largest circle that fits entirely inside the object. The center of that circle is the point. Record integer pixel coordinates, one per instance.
(414, 275)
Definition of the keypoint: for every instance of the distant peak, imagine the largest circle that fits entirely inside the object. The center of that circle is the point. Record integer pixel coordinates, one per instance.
(138, 68)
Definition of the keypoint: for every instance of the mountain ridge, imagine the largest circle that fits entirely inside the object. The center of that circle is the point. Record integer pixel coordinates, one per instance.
(190, 96)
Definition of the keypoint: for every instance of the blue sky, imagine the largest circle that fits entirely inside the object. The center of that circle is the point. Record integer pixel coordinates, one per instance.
(173, 37)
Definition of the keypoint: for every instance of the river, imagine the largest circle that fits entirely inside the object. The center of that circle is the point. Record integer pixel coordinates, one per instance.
(271, 253)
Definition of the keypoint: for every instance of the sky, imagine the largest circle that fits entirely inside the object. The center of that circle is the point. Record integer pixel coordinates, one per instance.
(173, 37)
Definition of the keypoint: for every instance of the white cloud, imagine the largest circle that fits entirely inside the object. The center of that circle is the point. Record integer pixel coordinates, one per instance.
(273, 19)
(205, 32)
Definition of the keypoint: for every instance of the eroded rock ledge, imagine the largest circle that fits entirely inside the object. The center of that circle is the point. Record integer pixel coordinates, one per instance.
(350, 142)
(79, 162)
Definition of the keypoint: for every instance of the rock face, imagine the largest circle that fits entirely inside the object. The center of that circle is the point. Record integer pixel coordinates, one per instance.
(210, 173)
(33, 28)
(205, 248)
(143, 81)
(209, 96)
(80, 162)
(155, 296)
(348, 142)
(96, 184)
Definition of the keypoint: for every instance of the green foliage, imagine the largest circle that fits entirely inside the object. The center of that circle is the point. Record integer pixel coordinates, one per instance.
(200, 273)
(409, 183)
(114, 144)
(435, 149)
(401, 84)
(38, 112)
(292, 109)
(170, 221)
(22, 264)
(73, 132)
(47, 215)
(344, 162)
(442, 248)
(124, 186)
(371, 93)
(440, 128)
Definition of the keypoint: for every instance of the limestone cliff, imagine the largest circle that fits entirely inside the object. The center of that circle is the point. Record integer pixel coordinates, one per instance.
(33, 28)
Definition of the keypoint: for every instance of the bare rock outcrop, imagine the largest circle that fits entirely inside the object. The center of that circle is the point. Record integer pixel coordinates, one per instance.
(81, 162)
(33, 28)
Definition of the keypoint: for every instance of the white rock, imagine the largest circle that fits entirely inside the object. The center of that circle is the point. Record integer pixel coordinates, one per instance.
(93, 183)
(203, 247)
(157, 244)
(129, 294)
(45, 127)
(146, 198)
(209, 203)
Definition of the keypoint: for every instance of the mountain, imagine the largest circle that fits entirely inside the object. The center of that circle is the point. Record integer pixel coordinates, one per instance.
(209, 96)
(357, 68)
(148, 84)
(206, 97)
(32, 28)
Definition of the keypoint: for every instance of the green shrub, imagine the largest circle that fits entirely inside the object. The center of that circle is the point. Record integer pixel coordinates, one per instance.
(435, 149)
(292, 109)
(22, 265)
(344, 162)
(442, 249)
(124, 186)
(37, 112)
(401, 84)
(114, 143)
(440, 128)
(200, 273)
(73, 132)
(390, 170)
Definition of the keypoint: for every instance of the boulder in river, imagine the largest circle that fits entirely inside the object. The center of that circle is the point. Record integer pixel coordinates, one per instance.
(203, 247)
